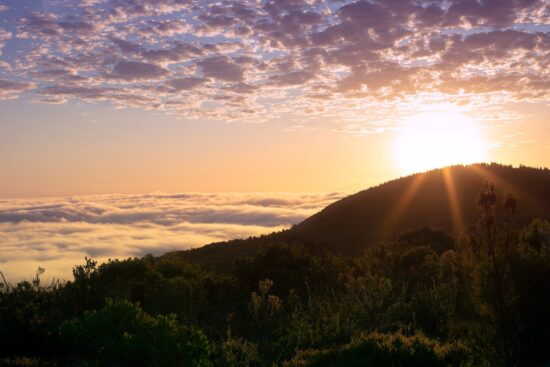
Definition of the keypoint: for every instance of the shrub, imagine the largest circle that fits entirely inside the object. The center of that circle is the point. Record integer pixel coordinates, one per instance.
(121, 334)
(237, 352)
(379, 349)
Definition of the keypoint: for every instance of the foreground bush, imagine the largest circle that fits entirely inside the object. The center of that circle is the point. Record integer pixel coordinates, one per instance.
(121, 334)
(392, 350)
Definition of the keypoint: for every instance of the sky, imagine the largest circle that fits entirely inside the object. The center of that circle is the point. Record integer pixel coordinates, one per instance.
(135, 96)
(119, 118)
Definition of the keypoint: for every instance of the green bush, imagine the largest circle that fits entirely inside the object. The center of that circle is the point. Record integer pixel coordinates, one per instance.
(237, 352)
(121, 334)
(379, 349)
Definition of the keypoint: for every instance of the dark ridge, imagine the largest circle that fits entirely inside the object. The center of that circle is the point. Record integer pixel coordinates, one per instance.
(384, 212)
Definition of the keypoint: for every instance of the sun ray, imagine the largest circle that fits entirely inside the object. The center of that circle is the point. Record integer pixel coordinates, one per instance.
(395, 214)
(525, 197)
(454, 202)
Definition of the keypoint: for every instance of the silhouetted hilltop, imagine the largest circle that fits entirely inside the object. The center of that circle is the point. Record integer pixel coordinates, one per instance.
(443, 198)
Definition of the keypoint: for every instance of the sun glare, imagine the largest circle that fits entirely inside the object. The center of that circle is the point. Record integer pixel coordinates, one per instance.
(436, 139)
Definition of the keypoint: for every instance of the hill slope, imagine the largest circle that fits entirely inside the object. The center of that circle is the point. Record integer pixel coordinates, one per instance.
(442, 198)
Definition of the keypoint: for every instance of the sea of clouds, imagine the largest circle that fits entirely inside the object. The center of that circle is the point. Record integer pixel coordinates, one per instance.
(57, 233)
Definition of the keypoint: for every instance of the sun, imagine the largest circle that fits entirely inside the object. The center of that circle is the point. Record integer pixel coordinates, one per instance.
(437, 139)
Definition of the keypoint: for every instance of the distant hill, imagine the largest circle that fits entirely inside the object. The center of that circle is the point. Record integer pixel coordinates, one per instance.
(443, 199)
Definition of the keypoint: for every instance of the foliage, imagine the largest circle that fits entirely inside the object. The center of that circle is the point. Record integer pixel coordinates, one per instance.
(382, 349)
(121, 334)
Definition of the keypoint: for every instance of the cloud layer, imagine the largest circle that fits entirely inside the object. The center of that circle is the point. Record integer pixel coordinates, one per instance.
(57, 233)
(259, 60)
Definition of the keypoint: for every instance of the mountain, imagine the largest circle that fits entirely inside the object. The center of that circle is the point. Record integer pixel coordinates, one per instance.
(443, 199)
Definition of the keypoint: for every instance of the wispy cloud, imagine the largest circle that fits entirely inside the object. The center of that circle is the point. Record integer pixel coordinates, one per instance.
(258, 60)
(57, 233)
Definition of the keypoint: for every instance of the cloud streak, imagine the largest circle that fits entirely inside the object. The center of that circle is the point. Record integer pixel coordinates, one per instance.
(57, 233)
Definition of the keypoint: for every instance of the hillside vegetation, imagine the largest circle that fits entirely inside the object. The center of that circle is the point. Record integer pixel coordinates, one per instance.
(382, 213)
(422, 297)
